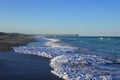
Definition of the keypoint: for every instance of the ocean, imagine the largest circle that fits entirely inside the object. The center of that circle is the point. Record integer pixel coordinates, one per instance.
(78, 57)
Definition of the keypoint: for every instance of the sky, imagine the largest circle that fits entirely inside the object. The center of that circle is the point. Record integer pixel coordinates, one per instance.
(83, 17)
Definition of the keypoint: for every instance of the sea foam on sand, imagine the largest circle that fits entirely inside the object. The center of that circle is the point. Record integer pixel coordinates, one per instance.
(48, 52)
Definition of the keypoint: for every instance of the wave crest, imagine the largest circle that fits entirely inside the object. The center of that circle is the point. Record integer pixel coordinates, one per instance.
(48, 52)
(82, 67)
(71, 66)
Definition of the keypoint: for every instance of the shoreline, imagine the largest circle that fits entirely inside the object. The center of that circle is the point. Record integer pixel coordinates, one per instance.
(15, 66)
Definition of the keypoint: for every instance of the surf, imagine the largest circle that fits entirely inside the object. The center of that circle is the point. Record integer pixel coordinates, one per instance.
(73, 63)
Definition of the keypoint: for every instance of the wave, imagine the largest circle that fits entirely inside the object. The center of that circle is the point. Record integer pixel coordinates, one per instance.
(69, 65)
(48, 52)
(53, 42)
(83, 67)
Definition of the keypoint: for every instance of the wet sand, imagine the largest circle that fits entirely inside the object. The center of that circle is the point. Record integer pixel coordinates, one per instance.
(16, 66)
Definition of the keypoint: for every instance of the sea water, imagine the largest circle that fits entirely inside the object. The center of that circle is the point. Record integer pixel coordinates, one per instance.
(78, 58)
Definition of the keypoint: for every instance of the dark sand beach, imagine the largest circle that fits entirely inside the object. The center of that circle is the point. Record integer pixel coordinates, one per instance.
(16, 66)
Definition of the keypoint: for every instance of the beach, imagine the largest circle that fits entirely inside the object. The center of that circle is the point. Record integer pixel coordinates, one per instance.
(60, 40)
(15, 66)
(69, 58)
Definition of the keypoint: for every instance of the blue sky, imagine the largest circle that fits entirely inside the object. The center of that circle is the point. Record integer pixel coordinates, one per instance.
(83, 17)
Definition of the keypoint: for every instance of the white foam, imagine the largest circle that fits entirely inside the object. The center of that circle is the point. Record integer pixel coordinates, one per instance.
(68, 65)
(81, 67)
(55, 43)
(52, 42)
(49, 52)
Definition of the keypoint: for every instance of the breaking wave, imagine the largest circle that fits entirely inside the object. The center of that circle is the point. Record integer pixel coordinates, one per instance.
(49, 52)
(83, 67)
(69, 65)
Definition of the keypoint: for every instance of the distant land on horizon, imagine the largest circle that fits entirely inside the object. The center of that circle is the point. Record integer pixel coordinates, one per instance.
(57, 34)
(15, 33)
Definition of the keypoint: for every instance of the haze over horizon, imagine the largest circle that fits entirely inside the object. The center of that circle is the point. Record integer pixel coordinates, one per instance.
(83, 17)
